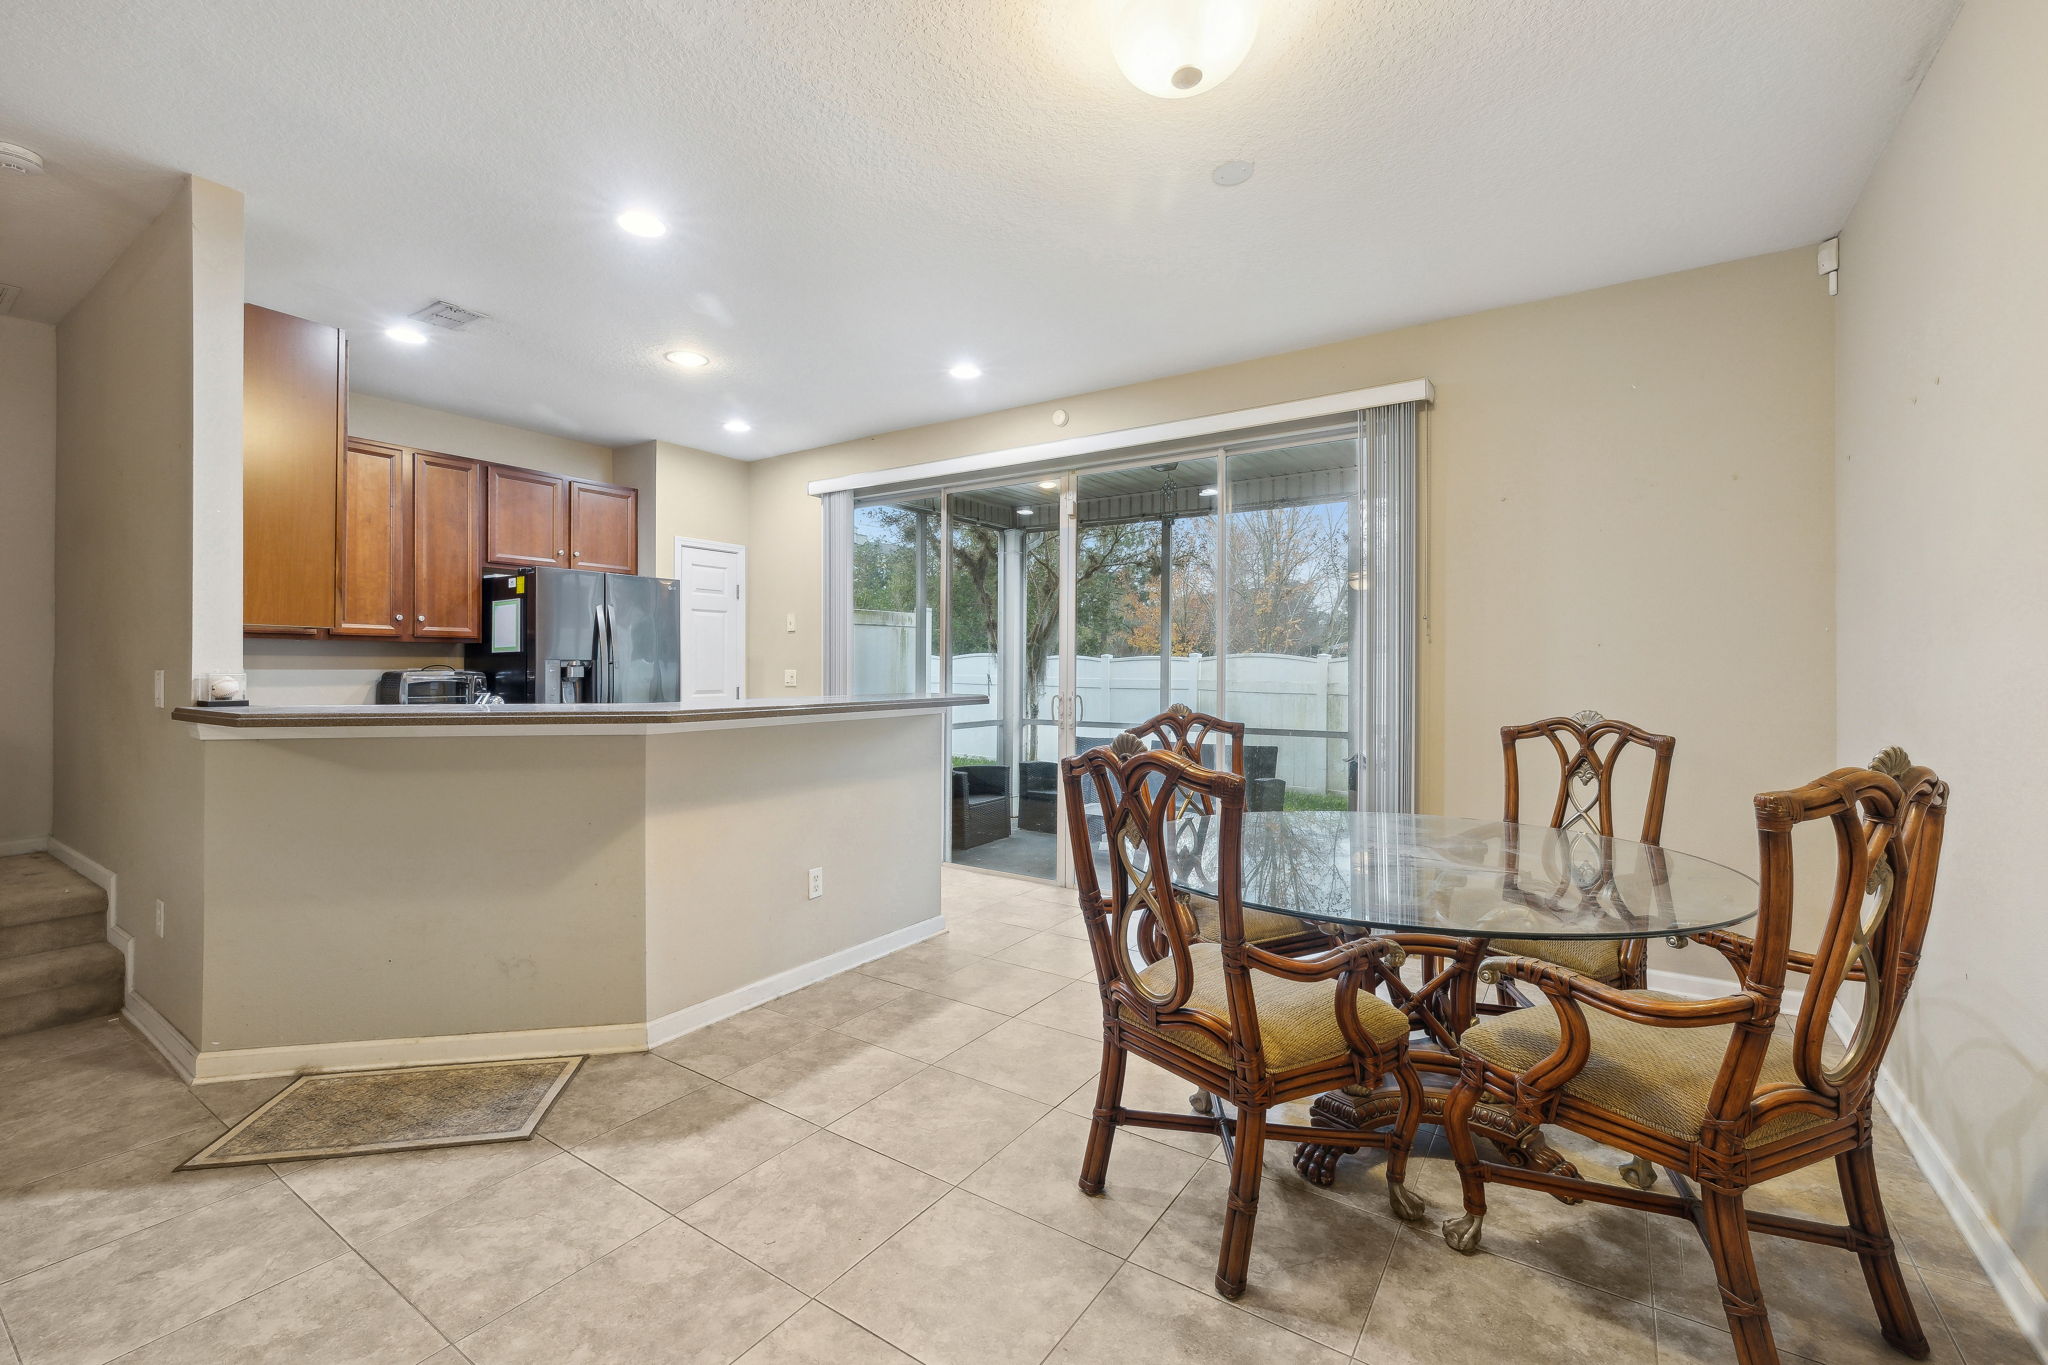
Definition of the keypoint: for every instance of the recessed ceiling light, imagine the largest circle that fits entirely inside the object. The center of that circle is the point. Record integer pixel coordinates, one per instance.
(689, 360)
(1048, 484)
(641, 223)
(966, 369)
(411, 336)
(1208, 492)
(737, 427)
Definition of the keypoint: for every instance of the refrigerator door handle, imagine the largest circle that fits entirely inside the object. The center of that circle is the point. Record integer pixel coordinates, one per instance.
(601, 656)
(611, 659)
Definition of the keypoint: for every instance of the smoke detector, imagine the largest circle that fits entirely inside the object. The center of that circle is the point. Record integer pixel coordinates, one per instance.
(19, 159)
(449, 317)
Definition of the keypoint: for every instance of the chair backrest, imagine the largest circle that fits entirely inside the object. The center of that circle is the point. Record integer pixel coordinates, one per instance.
(1588, 747)
(1186, 731)
(1888, 822)
(1136, 793)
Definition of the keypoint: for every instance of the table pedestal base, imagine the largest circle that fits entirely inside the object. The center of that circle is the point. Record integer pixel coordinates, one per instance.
(1356, 1108)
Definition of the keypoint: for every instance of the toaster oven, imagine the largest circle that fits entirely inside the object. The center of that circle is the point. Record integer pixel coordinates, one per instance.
(439, 686)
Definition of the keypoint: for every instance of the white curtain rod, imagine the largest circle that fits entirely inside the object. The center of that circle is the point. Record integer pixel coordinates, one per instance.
(1076, 447)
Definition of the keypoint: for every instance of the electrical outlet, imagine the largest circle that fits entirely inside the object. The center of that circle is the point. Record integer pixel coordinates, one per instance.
(817, 882)
(789, 623)
(159, 906)
(158, 689)
(789, 677)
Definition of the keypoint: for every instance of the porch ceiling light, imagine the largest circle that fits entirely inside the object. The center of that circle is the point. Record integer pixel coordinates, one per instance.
(1177, 48)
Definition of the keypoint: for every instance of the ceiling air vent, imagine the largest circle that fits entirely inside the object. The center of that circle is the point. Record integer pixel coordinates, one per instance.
(8, 294)
(449, 317)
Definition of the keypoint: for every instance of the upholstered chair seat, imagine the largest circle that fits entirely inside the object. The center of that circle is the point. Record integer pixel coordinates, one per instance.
(1600, 959)
(1660, 1078)
(1260, 926)
(1297, 1019)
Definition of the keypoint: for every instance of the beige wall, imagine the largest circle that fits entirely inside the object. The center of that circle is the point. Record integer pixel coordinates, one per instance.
(684, 492)
(28, 569)
(1630, 509)
(149, 566)
(408, 424)
(421, 887)
(1941, 568)
(728, 858)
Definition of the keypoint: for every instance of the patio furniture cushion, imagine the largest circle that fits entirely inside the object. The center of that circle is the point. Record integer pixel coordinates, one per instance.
(1599, 958)
(1297, 1019)
(1260, 926)
(1658, 1077)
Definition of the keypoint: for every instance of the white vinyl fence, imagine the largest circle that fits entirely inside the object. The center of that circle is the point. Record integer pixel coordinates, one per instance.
(1267, 692)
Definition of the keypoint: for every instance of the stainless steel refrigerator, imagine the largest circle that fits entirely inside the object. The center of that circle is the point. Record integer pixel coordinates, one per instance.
(572, 635)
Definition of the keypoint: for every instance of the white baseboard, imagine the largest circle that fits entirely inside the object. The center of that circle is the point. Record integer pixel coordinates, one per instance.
(2007, 1273)
(694, 1017)
(291, 1059)
(105, 879)
(252, 1063)
(35, 844)
(162, 1035)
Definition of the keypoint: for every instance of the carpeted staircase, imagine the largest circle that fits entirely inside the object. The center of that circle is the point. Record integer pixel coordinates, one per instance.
(56, 965)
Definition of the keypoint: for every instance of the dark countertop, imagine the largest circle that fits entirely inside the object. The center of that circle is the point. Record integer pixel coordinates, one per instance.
(605, 714)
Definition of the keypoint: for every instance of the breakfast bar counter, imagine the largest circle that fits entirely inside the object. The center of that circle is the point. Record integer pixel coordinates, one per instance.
(387, 884)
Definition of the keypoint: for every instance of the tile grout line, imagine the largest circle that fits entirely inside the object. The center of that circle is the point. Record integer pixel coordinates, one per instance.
(236, 1304)
(350, 1249)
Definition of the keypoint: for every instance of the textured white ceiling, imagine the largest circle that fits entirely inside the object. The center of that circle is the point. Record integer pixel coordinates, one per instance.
(862, 192)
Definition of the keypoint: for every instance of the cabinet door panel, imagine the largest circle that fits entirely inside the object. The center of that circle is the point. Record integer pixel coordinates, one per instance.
(292, 389)
(526, 518)
(370, 596)
(604, 527)
(447, 547)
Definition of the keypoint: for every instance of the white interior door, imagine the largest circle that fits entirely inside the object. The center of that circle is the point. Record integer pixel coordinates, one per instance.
(713, 577)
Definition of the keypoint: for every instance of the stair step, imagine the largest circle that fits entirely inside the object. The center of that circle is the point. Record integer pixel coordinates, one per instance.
(45, 935)
(59, 967)
(35, 887)
(95, 999)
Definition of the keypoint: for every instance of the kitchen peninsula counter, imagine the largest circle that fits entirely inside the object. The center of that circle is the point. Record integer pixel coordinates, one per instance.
(615, 717)
(394, 884)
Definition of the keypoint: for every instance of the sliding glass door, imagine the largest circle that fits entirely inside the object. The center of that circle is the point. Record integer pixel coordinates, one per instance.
(1235, 580)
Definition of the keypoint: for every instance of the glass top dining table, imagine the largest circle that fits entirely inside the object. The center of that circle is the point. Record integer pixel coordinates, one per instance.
(1464, 878)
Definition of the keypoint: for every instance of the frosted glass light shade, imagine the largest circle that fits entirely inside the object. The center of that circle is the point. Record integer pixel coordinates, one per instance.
(1177, 48)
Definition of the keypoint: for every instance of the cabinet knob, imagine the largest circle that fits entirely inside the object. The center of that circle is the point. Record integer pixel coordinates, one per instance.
(399, 617)
(419, 618)
(578, 554)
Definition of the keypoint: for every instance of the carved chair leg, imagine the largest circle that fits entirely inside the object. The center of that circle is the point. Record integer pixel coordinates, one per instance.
(1463, 1233)
(1742, 1296)
(1895, 1313)
(1407, 1204)
(1247, 1165)
(1109, 1096)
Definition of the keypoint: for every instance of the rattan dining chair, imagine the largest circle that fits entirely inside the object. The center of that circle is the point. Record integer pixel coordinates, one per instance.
(1714, 1090)
(1253, 1028)
(1588, 747)
(1182, 730)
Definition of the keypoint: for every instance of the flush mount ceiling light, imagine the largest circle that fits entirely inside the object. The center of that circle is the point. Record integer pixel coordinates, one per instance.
(738, 427)
(409, 336)
(1048, 484)
(17, 158)
(641, 223)
(1208, 492)
(966, 369)
(689, 360)
(1177, 48)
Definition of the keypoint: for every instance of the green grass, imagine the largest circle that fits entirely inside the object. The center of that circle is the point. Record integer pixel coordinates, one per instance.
(1318, 800)
(971, 761)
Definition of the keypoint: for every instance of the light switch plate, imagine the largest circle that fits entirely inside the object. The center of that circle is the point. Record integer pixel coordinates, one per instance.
(789, 677)
(789, 623)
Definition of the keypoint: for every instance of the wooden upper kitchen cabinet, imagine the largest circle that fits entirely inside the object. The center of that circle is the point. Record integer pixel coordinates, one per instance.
(604, 527)
(447, 547)
(294, 397)
(526, 518)
(370, 588)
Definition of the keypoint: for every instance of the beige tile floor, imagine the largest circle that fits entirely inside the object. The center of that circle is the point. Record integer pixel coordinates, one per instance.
(879, 1168)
